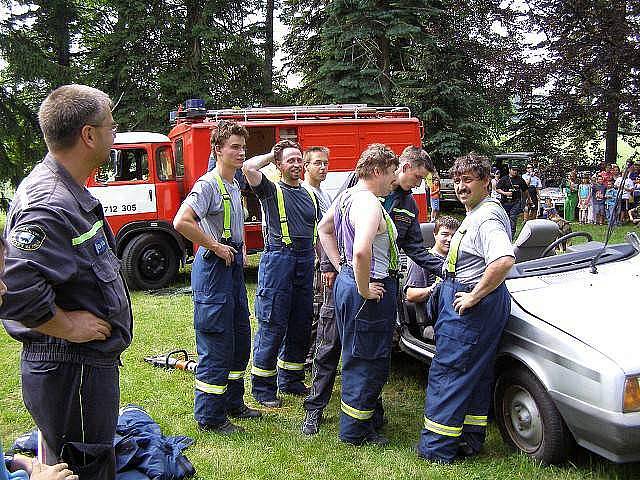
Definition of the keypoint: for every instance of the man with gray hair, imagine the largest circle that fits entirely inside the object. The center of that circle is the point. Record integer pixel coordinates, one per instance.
(67, 301)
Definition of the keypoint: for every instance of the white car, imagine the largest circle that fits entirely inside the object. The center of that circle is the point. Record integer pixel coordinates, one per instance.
(568, 366)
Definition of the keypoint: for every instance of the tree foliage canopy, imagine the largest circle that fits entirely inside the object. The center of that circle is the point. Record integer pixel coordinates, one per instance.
(546, 76)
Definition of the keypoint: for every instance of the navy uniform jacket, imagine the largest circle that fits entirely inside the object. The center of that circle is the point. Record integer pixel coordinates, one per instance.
(60, 252)
(404, 213)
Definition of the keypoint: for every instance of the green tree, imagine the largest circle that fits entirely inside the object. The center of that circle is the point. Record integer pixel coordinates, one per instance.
(591, 68)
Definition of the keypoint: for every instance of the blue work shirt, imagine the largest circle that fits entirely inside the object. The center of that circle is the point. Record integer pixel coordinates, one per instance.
(60, 251)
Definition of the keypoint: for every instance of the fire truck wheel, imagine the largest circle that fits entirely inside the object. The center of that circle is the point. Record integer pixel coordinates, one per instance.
(149, 262)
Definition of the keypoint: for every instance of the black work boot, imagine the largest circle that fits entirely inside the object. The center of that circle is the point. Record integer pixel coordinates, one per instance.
(311, 422)
(226, 428)
(300, 390)
(244, 412)
(373, 438)
(275, 403)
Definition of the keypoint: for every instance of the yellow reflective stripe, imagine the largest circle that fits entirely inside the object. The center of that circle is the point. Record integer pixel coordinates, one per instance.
(237, 375)
(226, 206)
(452, 257)
(290, 365)
(208, 388)
(479, 420)
(284, 225)
(260, 372)
(87, 235)
(355, 413)
(402, 210)
(393, 247)
(314, 200)
(442, 429)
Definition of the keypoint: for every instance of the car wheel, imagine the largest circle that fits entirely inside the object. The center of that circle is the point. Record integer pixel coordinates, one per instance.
(528, 419)
(149, 262)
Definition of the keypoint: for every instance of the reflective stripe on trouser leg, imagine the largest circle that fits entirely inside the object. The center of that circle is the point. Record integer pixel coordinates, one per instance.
(365, 330)
(218, 305)
(242, 341)
(272, 307)
(466, 347)
(295, 345)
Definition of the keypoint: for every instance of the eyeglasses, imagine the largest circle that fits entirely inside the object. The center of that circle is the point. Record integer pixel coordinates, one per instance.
(113, 127)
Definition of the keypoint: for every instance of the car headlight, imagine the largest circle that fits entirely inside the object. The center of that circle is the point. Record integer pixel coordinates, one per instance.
(631, 401)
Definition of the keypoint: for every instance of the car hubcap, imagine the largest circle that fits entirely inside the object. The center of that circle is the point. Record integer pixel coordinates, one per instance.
(522, 419)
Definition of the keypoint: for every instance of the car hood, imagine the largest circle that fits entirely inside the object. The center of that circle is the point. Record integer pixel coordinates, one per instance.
(597, 309)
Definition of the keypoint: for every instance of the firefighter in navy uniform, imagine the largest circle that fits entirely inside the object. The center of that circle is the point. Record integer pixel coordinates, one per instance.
(473, 307)
(212, 217)
(360, 239)
(67, 301)
(401, 206)
(284, 297)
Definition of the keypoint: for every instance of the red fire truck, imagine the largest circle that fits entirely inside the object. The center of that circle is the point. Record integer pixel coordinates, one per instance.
(149, 174)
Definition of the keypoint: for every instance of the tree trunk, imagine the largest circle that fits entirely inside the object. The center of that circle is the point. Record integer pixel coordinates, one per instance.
(384, 64)
(612, 97)
(63, 14)
(194, 45)
(268, 51)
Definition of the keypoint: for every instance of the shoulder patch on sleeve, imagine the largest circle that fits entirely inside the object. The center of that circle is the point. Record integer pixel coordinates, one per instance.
(27, 237)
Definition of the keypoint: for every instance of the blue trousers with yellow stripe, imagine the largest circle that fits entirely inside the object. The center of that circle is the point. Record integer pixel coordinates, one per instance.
(223, 335)
(460, 376)
(284, 309)
(366, 330)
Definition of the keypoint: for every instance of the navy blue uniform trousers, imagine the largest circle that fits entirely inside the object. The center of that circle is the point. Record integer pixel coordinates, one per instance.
(366, 329)
(460, 376)
(223, 335)
(76, 409)
(284, 309)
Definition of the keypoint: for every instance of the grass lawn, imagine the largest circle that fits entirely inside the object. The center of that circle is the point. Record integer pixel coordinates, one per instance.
(273, 446)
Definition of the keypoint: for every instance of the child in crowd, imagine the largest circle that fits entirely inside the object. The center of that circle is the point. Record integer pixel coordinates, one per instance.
(584, 200)
(609, 203)
(597, 200)
(422, 285)
(434, 194)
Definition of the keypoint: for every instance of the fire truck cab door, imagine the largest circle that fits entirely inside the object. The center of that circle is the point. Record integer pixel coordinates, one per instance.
(125, 186)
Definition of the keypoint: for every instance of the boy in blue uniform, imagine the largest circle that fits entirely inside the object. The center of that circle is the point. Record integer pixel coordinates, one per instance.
(212, 217)
(284, 297)
(473, 308)
(67, 301)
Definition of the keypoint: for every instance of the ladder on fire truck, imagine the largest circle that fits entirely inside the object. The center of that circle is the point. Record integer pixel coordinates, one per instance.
(302, 112)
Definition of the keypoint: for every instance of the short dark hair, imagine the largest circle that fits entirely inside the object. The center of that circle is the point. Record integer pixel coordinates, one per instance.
(376, 155)
(281, 146)
(67, 109)
(417, 157)
(446, 221)
(306, 157)
(471, 162)
(224, 130)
